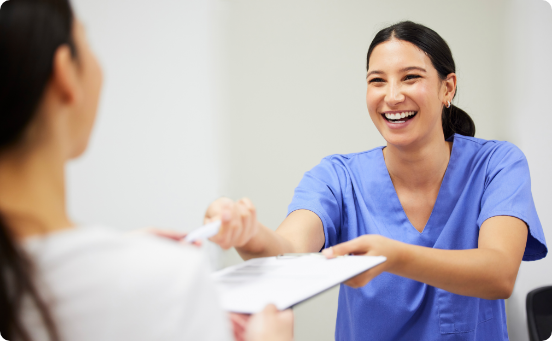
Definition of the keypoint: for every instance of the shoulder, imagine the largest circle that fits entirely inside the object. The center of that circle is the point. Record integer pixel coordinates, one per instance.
(127, 287)
(99, 255)
(493, 152)
(98, 244)
(337, 168)
(354, 157)
(350, 162)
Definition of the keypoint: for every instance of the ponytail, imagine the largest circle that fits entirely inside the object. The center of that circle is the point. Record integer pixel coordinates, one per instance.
(456, 121)
(16, 281)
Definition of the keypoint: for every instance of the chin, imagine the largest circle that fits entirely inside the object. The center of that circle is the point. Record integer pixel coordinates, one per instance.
(78, 150)
(400, 140)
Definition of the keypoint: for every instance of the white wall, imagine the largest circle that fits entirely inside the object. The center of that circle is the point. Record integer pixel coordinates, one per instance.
(152, 159)
(295, 92)
(529, 70)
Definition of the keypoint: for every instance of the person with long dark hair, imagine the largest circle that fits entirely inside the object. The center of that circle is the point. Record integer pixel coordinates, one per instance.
(61, 281)
(453, 214)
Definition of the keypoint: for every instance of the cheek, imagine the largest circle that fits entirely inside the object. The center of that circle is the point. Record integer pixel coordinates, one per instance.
(426, 97)
(420, 93)
(94, 80)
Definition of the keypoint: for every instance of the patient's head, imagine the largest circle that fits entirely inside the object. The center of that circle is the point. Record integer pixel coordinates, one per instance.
(49, 78)
(49, 89)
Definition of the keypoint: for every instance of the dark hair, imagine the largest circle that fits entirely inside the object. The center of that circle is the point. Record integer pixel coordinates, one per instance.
(454, 119)
(30, 33)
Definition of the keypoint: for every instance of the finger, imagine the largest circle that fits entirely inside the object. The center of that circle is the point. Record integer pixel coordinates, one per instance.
(239, 319)
(234, 227)
(360, 280)
(251, 227)
(169, 234)
(238, 326)
(286, 315)
(215, 208)
(246, 222)
(249, 205)
(225, 227)
(365, 277)
(355, 246)
(270, 309)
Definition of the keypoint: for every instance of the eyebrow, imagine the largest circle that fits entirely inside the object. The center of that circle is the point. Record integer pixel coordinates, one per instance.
(409, 68)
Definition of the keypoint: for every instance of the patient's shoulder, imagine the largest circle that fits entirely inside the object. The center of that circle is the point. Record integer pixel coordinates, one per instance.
(96, 254)
(110, 283)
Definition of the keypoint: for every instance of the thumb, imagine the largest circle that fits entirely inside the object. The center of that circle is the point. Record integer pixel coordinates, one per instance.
(270, 309)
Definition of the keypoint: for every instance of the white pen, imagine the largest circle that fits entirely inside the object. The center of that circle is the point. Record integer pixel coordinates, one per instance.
(203, 232)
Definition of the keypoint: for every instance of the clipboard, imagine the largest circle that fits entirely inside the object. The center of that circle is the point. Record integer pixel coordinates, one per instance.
(284, 281)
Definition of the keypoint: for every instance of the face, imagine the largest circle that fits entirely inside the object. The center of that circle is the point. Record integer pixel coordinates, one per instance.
(405, 94)
(89, 81)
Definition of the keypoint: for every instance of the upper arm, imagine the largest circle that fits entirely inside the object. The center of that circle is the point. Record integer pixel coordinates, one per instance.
(304, 231)
(508, 236)
(507, 193)
(316, 210)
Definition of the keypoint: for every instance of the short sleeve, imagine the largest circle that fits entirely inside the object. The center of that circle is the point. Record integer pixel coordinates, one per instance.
(508, 193)
(320, 191)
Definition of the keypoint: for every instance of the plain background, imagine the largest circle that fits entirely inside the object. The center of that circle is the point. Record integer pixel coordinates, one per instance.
(241, 97)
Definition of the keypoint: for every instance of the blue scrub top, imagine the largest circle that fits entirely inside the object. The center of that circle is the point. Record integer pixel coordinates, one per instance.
(353, 195)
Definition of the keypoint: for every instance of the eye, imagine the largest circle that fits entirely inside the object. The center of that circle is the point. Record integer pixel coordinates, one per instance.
(376, 80)
(411, 77)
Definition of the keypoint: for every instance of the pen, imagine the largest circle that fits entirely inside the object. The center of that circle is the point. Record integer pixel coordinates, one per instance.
(204, 232)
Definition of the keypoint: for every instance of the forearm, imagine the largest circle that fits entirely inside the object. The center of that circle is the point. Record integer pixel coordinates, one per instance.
(301, 231)
(265, 243)
(484, 273)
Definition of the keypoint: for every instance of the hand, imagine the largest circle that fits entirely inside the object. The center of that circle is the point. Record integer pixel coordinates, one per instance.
(239, 221)
(270, 325)
(369, 245)
(239, 325)
(168, 234)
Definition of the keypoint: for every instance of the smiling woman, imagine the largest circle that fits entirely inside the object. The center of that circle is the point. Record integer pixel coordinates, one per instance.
(453, 214)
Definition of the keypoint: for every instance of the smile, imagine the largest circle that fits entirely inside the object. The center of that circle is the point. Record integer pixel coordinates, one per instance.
(399, 117)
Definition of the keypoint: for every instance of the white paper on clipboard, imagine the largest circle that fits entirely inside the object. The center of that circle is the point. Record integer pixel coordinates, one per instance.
(248, 287)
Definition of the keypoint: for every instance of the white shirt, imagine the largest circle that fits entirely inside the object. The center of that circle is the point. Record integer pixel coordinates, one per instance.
(104, 286)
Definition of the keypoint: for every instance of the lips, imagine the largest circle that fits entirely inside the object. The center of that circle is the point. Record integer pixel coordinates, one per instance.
(399, 117)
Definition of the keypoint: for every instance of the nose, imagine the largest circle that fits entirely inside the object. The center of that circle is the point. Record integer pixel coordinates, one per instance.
(394, 95)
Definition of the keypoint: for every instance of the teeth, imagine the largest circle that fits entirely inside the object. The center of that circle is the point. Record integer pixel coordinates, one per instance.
(399, 115)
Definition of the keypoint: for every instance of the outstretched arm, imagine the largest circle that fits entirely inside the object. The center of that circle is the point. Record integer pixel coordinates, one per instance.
(487, 272)
(301, 231)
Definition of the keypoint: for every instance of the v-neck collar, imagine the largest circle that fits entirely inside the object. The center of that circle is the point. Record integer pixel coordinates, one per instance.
(441, 209)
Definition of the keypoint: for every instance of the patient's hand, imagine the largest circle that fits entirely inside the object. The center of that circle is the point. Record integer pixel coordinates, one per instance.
(270, 325)
(239, 325)
(168, 234)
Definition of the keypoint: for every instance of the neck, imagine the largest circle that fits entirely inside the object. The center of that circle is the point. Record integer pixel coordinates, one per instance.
(32, 199)
(418, 166)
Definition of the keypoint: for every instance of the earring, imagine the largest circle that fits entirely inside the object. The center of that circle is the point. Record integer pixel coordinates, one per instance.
(448, 104)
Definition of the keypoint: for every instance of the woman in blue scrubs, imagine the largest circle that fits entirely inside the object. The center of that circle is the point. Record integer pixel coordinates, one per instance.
(453, 214)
